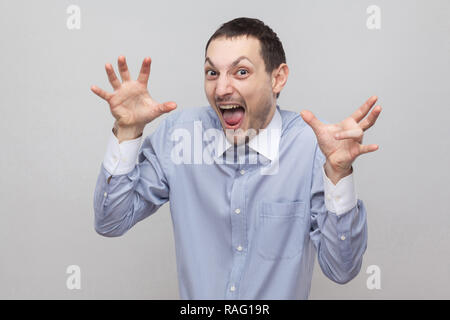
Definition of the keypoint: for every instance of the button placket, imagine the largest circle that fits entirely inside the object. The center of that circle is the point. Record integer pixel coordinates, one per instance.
(238, 203)
(238, 233)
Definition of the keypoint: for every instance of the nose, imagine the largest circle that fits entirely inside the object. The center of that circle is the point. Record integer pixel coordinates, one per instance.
(223, 86)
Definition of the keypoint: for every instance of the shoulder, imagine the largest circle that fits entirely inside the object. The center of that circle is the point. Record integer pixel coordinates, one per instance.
(294, 126)
(295, 129)
(189, 115)
(185, 118)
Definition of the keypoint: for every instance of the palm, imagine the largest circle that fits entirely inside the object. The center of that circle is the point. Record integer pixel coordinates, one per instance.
(339, 152)
(343, 150)
(131, 103)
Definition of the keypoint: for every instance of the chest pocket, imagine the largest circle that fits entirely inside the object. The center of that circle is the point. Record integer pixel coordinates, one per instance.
(282, 229)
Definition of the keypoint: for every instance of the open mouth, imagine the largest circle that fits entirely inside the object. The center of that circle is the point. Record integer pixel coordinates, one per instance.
(232, 115)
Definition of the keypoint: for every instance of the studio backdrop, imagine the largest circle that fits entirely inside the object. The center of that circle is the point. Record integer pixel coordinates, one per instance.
(55, 131)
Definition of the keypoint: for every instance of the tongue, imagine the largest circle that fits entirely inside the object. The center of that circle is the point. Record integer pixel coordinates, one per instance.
(233, 116)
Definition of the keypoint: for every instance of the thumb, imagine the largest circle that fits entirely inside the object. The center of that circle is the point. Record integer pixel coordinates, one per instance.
(167, 107)
(311, 119)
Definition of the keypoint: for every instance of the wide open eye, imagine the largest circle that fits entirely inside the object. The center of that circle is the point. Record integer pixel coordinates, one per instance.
(210, 73)
(242, 72)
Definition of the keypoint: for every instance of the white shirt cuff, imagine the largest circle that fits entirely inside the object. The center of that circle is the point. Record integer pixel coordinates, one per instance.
(339, 198)
(121, 158)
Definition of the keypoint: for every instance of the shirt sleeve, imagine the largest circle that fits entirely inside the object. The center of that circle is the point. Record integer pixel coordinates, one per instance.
(340, 237)
(127, 192)
(341, 197)
(121, 158)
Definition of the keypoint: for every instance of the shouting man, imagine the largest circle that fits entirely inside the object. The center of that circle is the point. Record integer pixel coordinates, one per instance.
(255, 191)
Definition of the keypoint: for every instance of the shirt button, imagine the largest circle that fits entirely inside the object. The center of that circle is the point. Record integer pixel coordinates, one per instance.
(232, 288)
(242, 171)
(337, 198)
(237, 211)
(328, 197)
(105, 194)
(342, 237)
(239, 248)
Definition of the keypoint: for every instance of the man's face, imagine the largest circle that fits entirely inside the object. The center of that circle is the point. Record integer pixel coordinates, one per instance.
(235, 75)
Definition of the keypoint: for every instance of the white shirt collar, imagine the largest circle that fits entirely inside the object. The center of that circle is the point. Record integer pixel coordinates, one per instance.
(265, 143)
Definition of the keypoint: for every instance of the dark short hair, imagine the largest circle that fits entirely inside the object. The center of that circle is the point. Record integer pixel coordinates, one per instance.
(272, 50)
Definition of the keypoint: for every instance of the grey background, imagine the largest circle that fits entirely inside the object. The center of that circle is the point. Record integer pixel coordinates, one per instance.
(54, 134)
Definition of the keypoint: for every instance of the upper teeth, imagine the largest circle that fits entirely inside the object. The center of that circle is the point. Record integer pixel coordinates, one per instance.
(230, 106)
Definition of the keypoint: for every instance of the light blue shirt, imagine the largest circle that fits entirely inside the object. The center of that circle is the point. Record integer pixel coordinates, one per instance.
(248, 221)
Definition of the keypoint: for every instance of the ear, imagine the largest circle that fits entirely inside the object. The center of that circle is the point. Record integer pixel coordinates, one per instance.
(279, 78)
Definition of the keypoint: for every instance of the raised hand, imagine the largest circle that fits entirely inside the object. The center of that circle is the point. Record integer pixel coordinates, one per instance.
(130, 103)
(341, 143)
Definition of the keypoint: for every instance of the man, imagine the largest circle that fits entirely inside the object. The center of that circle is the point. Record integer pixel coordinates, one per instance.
(243, 229)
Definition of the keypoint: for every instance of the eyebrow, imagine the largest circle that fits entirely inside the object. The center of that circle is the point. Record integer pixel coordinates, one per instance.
(233, 64)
